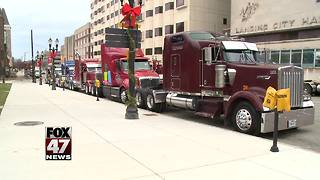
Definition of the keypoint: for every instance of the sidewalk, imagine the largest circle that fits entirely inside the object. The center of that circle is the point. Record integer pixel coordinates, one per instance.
(106, 146)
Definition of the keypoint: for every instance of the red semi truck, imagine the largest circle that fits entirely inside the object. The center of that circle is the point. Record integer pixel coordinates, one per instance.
(85, 74)
(215, 77)
(115, 74)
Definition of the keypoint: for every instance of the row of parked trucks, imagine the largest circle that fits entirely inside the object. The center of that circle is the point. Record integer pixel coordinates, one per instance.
(208, 74)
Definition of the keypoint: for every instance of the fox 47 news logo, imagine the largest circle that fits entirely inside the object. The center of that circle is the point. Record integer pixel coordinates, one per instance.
(58, 143)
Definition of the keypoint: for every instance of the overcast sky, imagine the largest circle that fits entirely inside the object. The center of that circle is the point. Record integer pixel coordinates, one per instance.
(47, 18)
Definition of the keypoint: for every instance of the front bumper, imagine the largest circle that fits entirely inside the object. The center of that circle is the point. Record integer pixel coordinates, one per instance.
(300, 117)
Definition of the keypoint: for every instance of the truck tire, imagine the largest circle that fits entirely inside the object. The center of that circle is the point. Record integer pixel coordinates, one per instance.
(123, 96)
(93, 90)
(245, 118)
(151, 105)
(87, 89)
(140, 99)
(308, 88)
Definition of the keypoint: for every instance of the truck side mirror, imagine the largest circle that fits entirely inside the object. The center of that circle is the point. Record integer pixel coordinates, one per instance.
(118, 65)
(210, 54)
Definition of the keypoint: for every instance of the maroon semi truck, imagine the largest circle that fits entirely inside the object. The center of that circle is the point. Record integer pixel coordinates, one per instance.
(115, 81)
(216, 77)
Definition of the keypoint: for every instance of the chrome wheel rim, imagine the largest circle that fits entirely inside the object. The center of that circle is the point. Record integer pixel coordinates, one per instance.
(138, 99)
(243, 119)
(123, 96)
(150, 101)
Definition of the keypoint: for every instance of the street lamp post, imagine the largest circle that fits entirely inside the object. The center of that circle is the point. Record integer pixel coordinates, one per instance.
(53, 53)
(40, 59)
(132, 110)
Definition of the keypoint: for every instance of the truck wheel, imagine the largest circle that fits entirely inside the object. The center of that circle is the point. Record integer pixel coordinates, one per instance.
(246, 119)
(93, 90)
(139, 99)
(308, 88)
(123, 96)
(152, 106)
(87, 89)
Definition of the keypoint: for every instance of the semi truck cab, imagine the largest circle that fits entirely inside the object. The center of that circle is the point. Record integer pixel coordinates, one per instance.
(215, 76)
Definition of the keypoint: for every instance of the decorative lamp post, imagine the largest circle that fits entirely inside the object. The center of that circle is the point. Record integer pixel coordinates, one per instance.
(53, 54)
(40, 58)
(130, 13)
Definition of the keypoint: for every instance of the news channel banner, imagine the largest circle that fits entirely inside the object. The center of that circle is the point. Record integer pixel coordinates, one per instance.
(58, 143)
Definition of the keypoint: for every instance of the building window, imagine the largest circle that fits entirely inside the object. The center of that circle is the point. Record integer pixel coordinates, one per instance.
(317, 58)
(275, 56)
(108, 5)
(158, 31)
(139, 18)
(149, 13)
(169, 6)
(179, 3)
(112, 2)
(116, 13)
(149, 51)
(116, 1)
(225, 21)
(296, 57)
(285, 57)
(158, 10)
(149, 33)
(169, 29)
(180, 27)
(158, 50)
(112, 15)
(108, 17)
(308, 57)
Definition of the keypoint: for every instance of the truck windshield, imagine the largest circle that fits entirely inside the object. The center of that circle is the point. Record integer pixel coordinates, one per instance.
(94, 69)
(241, 56)
(138, 65)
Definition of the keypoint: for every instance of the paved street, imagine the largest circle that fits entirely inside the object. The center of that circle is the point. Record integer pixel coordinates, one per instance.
(307, 137)
(157, 146)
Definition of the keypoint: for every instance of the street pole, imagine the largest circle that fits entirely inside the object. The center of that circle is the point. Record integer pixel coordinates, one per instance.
(2, 50)
(132, 110)
(32, 61)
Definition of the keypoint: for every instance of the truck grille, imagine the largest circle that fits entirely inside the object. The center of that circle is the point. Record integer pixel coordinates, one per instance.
(292, 77)
(149, 82)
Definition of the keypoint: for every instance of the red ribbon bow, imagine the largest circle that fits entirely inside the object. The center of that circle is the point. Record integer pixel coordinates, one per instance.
(128, 11)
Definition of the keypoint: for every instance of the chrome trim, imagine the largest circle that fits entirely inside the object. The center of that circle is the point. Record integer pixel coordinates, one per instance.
(232, 75)
(292, 77)
(185, 103)
(149, 77)
(303, 117)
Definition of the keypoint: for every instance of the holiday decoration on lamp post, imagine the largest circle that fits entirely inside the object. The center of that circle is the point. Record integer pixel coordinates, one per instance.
(39, 63)
(53, 54)
(130, 14)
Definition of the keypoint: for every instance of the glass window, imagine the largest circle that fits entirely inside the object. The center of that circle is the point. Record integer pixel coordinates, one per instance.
(169, 29)
(169, 6)
(275, 56)
(308, 57)
(201, 36)
(149, 33)
(149, 13)
(180, 27)
(158, 50)
(158, 31)
(296, 57)
(179, 3)
(285, 57)
(158, 10)
(149, 51)
(138, 65)
(225, 21)
(318, 58)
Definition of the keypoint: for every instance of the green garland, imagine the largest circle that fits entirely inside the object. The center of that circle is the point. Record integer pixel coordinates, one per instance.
(131, 99)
